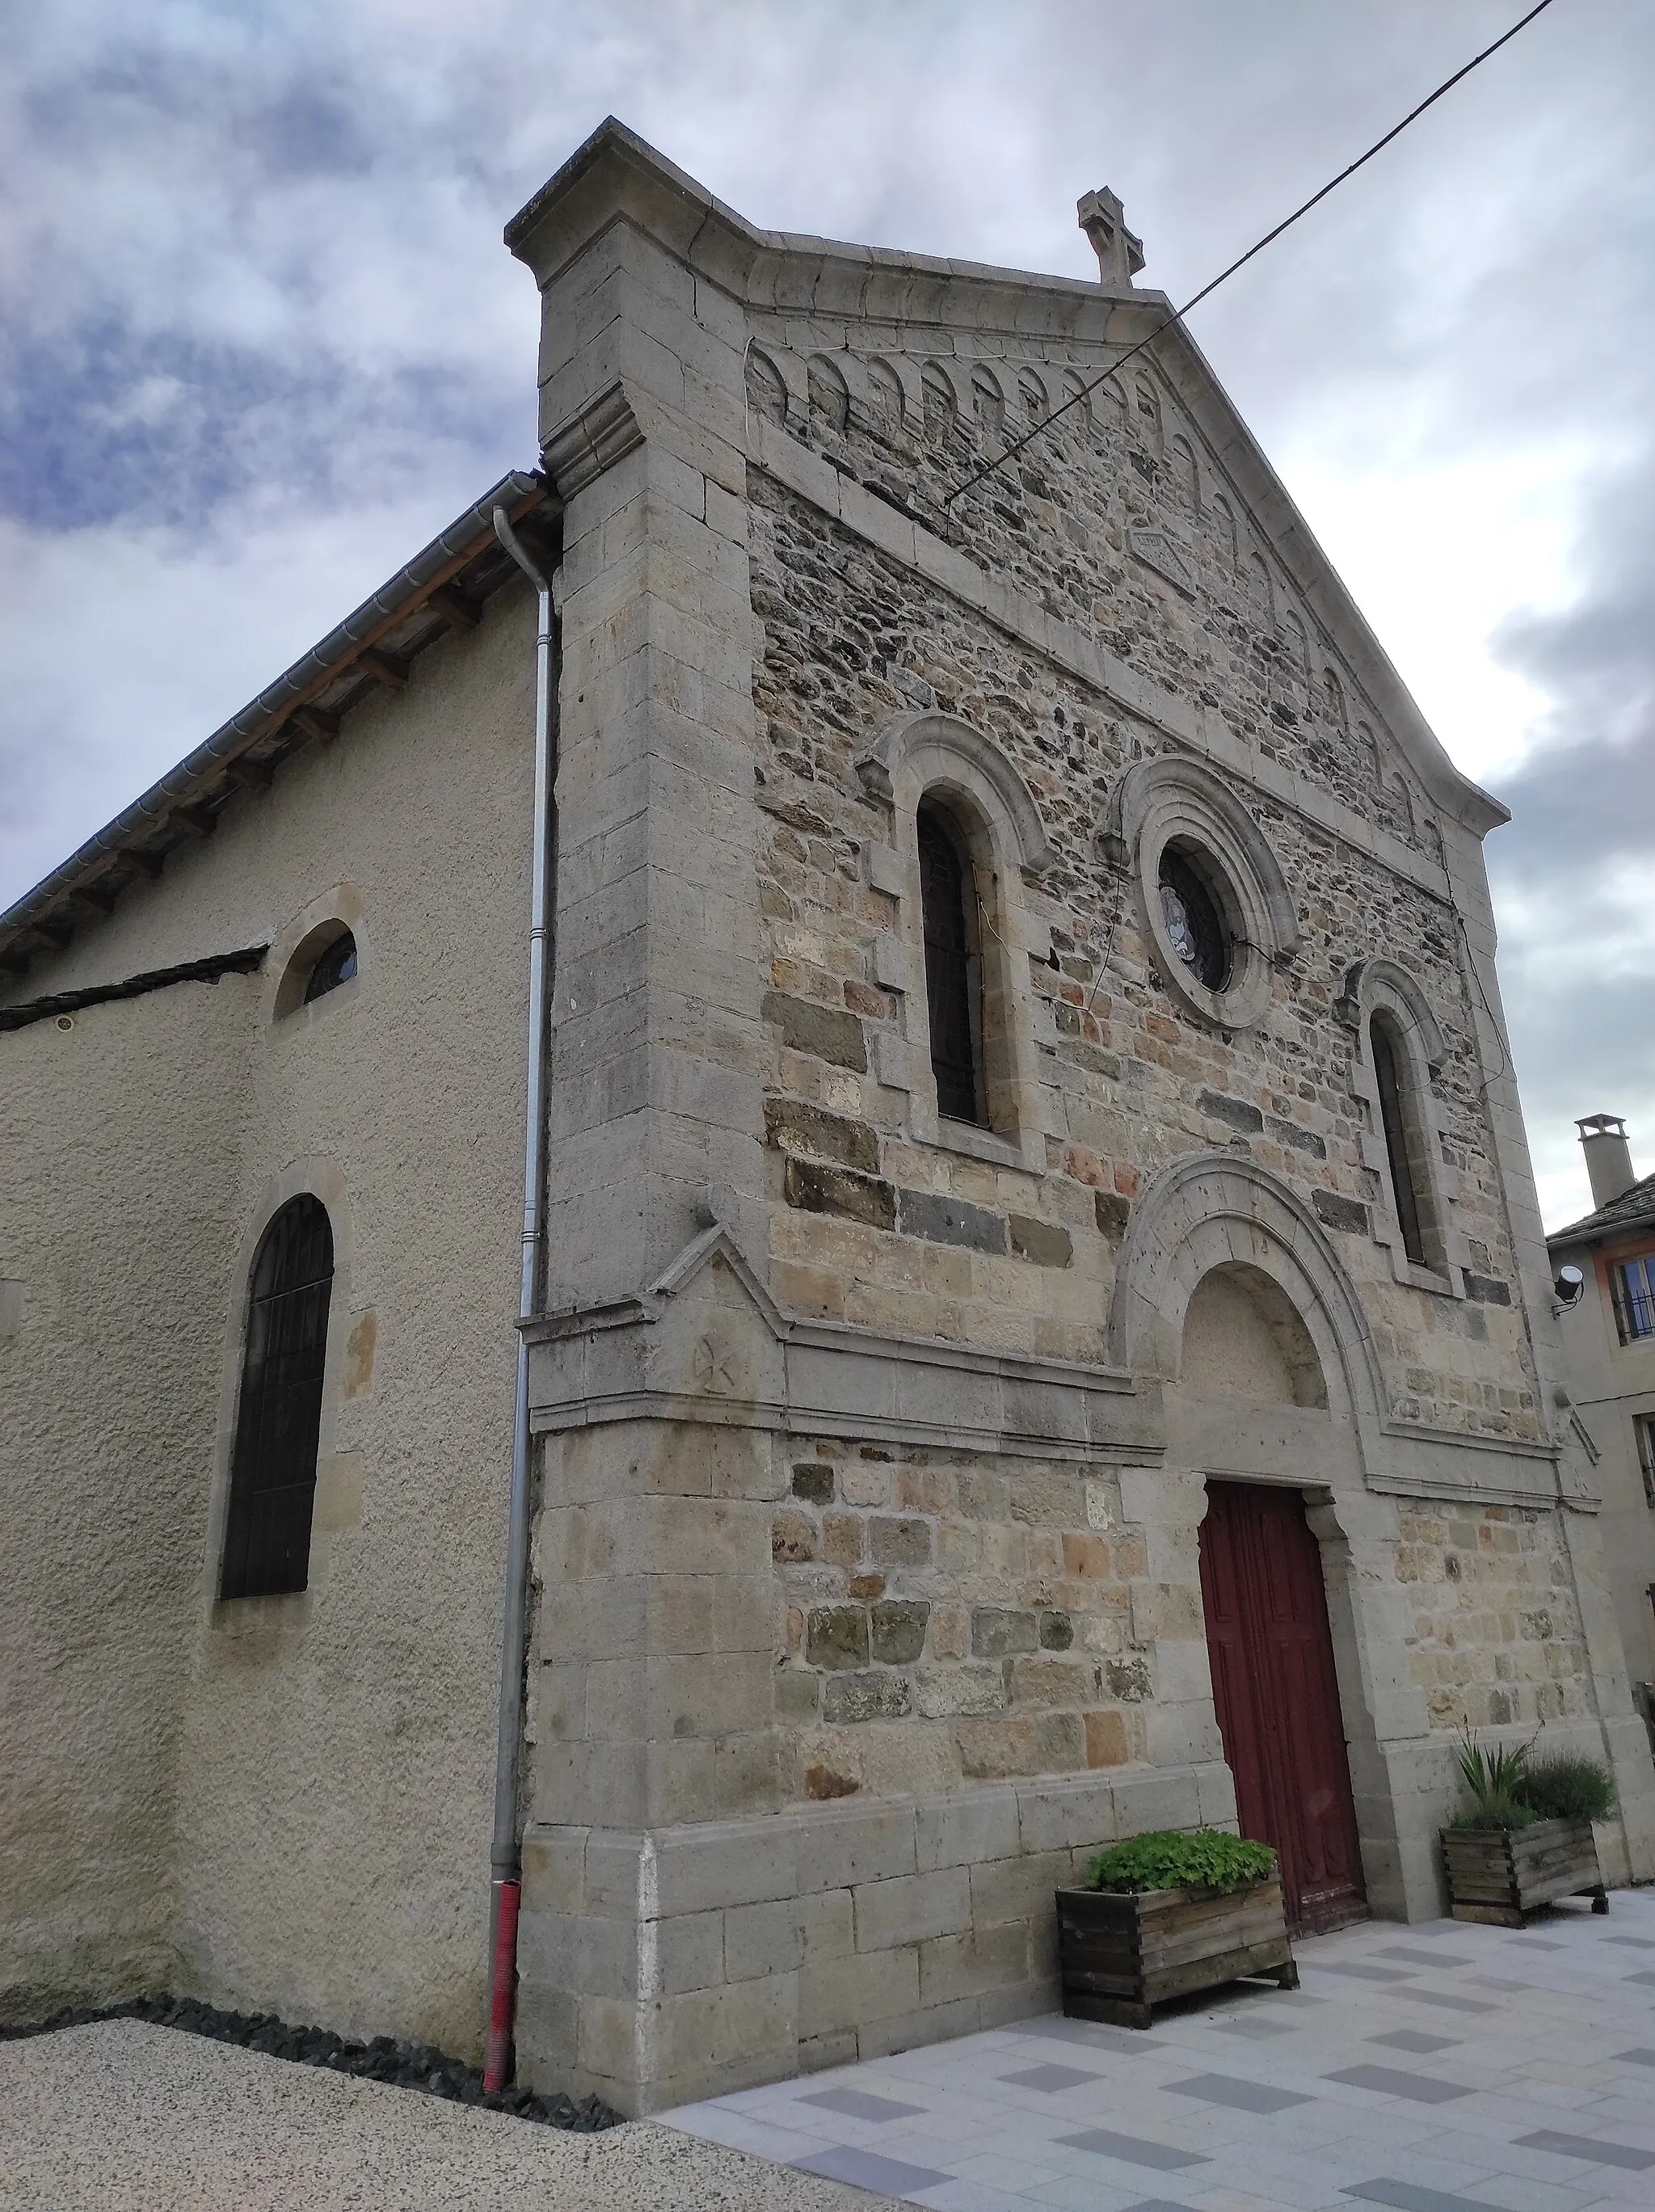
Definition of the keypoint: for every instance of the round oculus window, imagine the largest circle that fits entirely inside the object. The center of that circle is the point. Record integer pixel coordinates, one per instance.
(1192, 921)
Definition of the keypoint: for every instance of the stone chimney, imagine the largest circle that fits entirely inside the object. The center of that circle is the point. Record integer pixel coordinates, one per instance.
(1120, 256)
(1609, 1155)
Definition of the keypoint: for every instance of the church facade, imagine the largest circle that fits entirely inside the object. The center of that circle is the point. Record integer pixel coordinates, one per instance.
(1044, 1331)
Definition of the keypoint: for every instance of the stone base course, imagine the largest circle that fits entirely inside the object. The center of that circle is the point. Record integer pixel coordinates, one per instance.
(697, 1959)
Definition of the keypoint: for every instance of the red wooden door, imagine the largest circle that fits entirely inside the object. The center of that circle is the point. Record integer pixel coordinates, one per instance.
(1277, 1697)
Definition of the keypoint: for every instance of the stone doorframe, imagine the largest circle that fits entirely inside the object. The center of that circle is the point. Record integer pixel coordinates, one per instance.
(1213, 1210)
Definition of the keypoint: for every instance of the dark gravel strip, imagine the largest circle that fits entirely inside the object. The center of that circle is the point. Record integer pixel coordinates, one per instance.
(405, 2065)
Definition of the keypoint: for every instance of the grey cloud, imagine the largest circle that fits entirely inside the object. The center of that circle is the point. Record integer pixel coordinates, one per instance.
(261, 338)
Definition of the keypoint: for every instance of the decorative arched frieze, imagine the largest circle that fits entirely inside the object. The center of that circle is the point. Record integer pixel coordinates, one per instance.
(1172, 801)
(990, 811)
(1381, 988)
(939, 400)
(1218, 1209)
(827, 395)
(766, 387)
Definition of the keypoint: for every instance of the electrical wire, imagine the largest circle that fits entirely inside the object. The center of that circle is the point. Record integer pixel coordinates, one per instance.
(1242, 261)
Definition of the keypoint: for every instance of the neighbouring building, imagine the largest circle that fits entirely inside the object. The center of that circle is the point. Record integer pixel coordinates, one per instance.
(1046, 1329)
(1609, 1347)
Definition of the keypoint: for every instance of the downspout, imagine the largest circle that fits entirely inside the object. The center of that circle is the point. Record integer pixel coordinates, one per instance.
(505, 1858)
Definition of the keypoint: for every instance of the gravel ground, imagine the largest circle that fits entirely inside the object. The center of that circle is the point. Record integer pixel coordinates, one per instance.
(405, 2065)
(125, 2116)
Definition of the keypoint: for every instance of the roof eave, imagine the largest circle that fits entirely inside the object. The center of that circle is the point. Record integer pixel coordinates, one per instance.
(289, 709)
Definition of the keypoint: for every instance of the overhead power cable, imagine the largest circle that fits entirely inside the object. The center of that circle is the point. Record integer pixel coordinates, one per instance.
(1242, 261)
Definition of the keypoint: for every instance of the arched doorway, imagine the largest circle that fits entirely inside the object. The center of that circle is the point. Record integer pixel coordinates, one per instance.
(1275, 1687)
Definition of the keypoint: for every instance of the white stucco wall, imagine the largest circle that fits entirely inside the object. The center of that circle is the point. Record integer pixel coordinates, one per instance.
(282, 1802)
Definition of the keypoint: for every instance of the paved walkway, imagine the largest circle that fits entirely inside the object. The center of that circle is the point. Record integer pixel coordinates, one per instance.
(1439, 2068)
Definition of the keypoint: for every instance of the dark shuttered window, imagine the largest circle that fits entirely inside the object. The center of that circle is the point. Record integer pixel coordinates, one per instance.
(951, 969)
(1394, 1117)
(273, 1474)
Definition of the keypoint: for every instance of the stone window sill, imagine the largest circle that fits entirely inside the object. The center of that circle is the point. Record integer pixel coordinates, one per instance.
(976, 1144)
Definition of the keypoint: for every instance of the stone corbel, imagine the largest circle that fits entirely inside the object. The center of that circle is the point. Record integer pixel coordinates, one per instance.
(604, 431)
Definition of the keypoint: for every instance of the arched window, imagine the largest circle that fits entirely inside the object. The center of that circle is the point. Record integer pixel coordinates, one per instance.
(953, 973)
(278, 1421)
(1395, 1120)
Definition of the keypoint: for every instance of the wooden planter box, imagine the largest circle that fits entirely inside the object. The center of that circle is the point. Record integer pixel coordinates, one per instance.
(1499, 1874)
(1121, 1953)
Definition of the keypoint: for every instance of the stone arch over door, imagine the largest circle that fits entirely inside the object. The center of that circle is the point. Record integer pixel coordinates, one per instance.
(1212, 1213)
(1212, 1209)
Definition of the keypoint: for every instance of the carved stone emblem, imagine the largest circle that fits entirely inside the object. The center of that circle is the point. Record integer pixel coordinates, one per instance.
(1165, 555)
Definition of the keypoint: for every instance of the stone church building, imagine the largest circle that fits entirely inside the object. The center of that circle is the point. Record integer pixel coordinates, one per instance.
(1039, 1325)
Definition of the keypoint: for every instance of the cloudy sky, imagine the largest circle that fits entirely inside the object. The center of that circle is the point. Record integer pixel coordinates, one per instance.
(261, 340)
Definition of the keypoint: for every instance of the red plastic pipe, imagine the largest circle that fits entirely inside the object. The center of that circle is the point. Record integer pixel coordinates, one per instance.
(502, 1987)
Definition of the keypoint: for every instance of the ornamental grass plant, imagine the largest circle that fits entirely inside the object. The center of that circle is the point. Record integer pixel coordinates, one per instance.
(1569, 1788)
(1506, 1792)
(1177, 1858)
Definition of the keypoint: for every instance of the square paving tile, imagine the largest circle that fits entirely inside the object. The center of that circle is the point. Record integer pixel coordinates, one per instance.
(861, 2105)
(1422, 1958)
(1392, 2081)
(1359, 1973)
(1413, 2039)
(1589, 2148)
(1264, 2029)
(1633, 1942)
(1051, 2077)
(1645, 1979)
(1411, 2197)
(1126, 2042)
(868, 2169)
(1134, 2150)
(1440, 1998)
(1244, 2096)
(1634, 2058)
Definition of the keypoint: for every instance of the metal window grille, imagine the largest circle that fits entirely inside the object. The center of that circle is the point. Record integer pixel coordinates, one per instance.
(1633, 1287)
(278, 1421)
(1643, 1428)
(1387, 1078)
(336, 965)
(950, 984)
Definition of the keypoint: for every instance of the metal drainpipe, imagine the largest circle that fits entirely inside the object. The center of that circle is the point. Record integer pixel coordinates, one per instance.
(505, 1860)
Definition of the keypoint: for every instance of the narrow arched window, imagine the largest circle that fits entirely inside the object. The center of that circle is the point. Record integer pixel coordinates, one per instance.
(1394, 1117)
(279, 1419)
(953, 986)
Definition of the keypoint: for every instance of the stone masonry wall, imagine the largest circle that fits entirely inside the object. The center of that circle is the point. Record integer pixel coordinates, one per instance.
(1129, 1082)
(1496, 1637)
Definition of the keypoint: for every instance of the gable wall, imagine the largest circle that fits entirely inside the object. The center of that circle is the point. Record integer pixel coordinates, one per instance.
(282, 1803)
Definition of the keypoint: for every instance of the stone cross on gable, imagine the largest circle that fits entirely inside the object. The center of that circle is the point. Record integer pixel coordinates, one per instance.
(1120, 256)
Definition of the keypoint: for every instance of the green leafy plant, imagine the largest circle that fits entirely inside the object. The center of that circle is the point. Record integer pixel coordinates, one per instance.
(1569, 1787)
(1175, 1858)
(1493, 1777)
